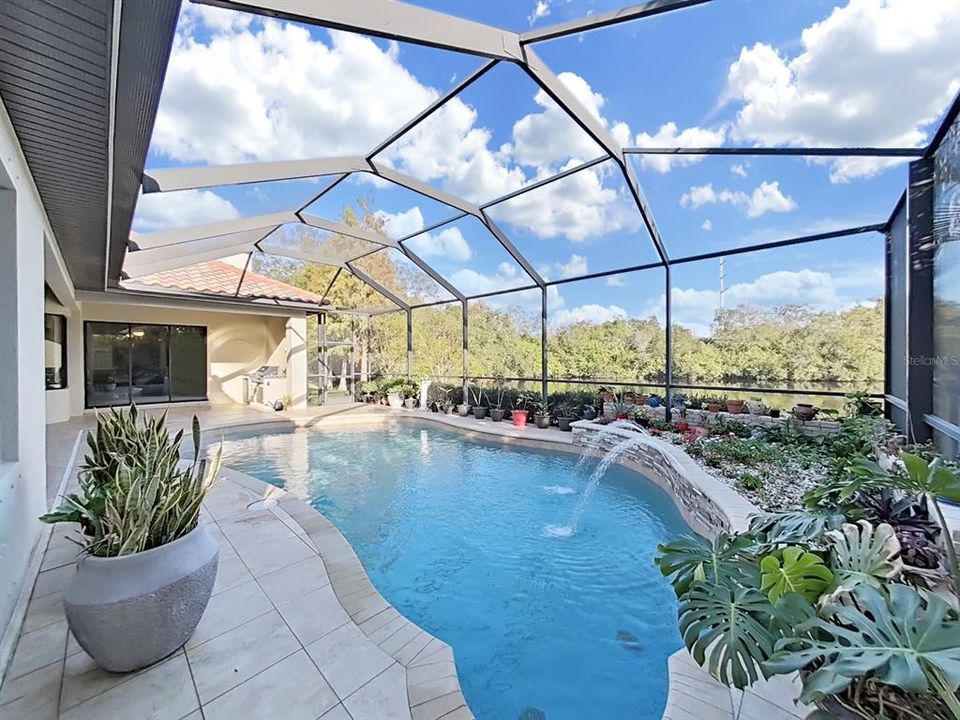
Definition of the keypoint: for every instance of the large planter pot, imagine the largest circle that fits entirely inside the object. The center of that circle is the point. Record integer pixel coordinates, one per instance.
(564, 423)
(448, 409)
(409, 403)
(734, 407)
(756, 406)
(519, 418)
(131, 611)
(496, 414)
(543, 421)
(463, 410)
(653, 401)
(394, 400)
(713, 407)
(480, 412)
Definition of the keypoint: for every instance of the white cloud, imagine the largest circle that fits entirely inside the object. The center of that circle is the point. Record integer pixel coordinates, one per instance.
(615, 281)
(706, 225)
(402, 224)
(871, 73)
(266, 90)
(591, 313)
(668, 137)
(739, 169)
(448, 243)
(576, 265)
(540, 10)
(157, 211)
(766, 197)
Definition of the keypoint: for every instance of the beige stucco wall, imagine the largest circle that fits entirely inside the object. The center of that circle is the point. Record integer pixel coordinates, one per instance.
(237, 343)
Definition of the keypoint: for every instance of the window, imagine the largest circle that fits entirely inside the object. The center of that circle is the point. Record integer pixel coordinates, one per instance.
(55, 351)
(144, 363)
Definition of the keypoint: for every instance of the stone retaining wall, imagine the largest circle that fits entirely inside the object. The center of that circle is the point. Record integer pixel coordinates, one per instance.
(704, 418)
(706, 503)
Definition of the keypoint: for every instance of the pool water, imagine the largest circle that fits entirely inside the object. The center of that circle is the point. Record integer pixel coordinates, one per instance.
(471, 542)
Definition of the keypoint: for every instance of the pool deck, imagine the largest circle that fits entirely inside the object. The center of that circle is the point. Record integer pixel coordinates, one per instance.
(294, 629)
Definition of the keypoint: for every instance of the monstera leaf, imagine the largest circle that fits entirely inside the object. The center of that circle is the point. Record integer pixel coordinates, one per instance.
(907, 640)
(861, 553)
(725, 561)
(930, 477)
(728, 631)
(791, 527)
(794, 571)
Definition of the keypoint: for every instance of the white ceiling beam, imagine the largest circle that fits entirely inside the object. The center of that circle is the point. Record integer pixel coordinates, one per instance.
(605, 19)
(295, 254)
(190, 178)
(178, 236)
(391, 20)
(145, 262)
(426, 189)
(349, 230)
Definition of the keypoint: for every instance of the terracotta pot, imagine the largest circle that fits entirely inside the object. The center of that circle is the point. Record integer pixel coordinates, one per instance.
(713, 407)
(734, 407)
(519, 418)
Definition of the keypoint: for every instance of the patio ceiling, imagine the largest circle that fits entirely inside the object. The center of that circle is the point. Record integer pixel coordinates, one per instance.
(68, 76)
(413, 24)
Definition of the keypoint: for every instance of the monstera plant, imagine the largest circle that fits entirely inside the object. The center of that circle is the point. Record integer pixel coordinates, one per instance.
(825, 591)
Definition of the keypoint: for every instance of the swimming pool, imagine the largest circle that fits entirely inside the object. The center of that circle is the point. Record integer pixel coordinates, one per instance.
(471, 541)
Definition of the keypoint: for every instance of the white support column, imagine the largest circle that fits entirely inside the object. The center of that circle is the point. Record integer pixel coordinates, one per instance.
(297, 360)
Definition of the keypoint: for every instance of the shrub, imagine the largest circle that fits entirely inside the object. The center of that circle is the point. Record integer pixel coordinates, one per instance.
(134, 495)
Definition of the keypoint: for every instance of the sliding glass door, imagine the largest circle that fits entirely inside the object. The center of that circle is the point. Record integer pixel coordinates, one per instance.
(144, 363)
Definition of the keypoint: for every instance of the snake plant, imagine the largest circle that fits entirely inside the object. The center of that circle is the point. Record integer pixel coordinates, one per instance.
(135, 492)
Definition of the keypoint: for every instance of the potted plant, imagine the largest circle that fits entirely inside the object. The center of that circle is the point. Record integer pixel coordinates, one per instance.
(566, 414)
(520, 413)
(642, 417)
(805, 412)
(621, 411)
(479, 397)
(714, 404)
(497, 410)
(653, 400)
(694, 402)
(393, 391)
(589, 412)
(542, 415)
(774, 412)
(606, 395)
(755, 406)
(734, 407)
(148, 567)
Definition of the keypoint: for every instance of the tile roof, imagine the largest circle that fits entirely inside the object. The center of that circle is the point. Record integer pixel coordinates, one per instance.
(221, 278)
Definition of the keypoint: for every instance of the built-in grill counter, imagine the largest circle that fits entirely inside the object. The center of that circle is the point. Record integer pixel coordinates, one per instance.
(265, 385)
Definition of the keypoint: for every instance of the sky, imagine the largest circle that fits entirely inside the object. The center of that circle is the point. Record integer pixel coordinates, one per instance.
(805, 73)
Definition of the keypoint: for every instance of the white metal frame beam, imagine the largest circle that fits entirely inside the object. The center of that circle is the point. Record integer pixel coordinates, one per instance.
(178, 236)
(190, 178)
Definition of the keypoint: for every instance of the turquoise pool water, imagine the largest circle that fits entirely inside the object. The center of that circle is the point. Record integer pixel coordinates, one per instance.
(468, 540)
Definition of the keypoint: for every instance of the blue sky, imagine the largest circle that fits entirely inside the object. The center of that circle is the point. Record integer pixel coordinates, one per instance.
(738, 72)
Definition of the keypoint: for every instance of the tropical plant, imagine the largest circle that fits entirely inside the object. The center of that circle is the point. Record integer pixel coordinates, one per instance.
(794, 570)
(811, 591)
(134, 493)
(478, 394)
(900, 637)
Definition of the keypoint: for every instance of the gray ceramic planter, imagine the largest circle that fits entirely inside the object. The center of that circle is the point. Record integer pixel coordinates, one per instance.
(131, 611)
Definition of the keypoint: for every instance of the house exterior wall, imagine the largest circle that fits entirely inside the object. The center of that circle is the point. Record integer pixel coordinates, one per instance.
(237, 343)
(24, 231)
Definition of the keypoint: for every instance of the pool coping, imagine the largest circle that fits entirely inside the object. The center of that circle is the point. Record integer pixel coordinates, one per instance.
(432, 683)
